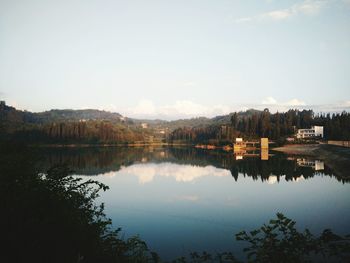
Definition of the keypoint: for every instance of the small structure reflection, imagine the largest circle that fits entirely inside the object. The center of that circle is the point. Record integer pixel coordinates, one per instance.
(241, 149)
(264, 155)
(316, 165)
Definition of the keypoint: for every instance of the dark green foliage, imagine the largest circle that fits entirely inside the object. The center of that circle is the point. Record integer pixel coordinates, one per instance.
(280, 241)
(256, 124)
(336, 126)
(195, 257)
(68, 127)
(52, 217)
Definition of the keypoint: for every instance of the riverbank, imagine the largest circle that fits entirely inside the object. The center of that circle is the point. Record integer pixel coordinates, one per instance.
(298, 149)
(335, 157)
(72, 145)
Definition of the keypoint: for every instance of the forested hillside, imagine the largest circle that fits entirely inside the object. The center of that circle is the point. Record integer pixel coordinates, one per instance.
(94, 126)
(255, 124)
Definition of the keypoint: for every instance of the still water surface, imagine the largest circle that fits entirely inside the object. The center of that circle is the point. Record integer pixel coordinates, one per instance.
(181, 200)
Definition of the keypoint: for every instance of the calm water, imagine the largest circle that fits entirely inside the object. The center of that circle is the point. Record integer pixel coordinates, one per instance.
(180, 200)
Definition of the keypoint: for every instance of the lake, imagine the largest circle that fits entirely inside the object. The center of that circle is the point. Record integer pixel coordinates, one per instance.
(184, 199)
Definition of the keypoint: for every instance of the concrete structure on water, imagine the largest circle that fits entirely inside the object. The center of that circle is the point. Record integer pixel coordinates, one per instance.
(264, 143)
(241, 147)
(240, 144)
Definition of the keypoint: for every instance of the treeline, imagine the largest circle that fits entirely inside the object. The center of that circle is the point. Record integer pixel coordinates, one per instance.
(99, 160)
(276, 126)
(91, 131)
(94, 132)
(336, 126)
(69, 126)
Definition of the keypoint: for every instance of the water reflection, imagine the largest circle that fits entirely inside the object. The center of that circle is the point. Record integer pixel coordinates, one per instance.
(181, 173)
(316, 165)
(241, 153)
(183, 199)
(259, 166)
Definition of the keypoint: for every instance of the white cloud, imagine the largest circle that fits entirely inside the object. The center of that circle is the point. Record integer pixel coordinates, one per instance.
(184, 109)
(274, 102)
(269, 101)
(144, 107)
(181, 173)
(308, 7)
(295, 102)
(179, 109)
(277, 15)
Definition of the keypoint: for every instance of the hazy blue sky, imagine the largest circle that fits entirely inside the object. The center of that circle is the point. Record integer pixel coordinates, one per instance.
(175, 58)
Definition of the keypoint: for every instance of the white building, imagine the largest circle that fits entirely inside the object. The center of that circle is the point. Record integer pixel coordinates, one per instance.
(315, 131)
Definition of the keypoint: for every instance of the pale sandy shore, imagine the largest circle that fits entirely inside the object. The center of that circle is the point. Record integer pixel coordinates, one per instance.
(299, 149)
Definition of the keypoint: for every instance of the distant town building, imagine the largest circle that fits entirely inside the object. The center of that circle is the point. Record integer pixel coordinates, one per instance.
(144, 125)
(2, 103)
(315, 131)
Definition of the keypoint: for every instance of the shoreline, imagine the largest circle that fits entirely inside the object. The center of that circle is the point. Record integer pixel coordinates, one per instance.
(336, 157)
(298, 149)
(107, 145)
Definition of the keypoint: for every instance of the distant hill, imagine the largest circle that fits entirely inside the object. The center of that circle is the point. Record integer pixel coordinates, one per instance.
(12, 115)
(197, 122)
(77, 115)
(225, 119)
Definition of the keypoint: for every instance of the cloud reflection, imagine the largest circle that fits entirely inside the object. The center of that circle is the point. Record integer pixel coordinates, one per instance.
(181, 173)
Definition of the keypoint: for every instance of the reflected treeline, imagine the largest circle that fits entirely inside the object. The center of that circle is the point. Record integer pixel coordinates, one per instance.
(94, 160)
(277, 165)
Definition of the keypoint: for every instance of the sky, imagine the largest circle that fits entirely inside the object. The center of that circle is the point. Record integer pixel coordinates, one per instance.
(175, 58)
